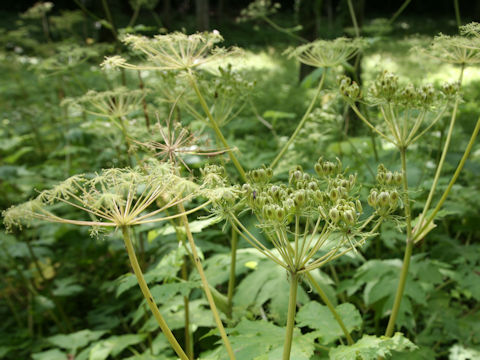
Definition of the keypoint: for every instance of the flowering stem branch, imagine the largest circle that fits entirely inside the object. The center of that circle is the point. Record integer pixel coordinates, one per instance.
(354, 18)
(215, 127)
(330, 306)
(292, 309)
(302, 122)
(442, 157)
(231, 280)
(148, 296)
(450, 184)
(206, 286)
(408, 249)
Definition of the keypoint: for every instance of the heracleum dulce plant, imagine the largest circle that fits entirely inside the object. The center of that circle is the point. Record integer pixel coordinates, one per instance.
(312, 220)
(407, 112)
(116, 199)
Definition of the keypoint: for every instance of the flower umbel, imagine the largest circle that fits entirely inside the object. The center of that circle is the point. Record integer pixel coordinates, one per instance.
(175, 51)
(326, 53)
(112, 198)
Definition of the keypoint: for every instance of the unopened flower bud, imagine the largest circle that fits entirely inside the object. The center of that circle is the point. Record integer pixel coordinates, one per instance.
(358, 205)
(334, 195)
(349, 217)
(372, 198)
(280, 212)
(334, 215)
(383, 199)
(394, 197)
(397, 178)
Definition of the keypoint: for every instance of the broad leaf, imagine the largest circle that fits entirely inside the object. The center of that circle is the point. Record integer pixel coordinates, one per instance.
(371, 347)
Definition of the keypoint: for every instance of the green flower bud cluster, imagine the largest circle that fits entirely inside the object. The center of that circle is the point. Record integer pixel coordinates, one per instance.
(385, 198)
(387, 89)
(348, 88)
(260, 176)
(305, 195)
(385, 86)
(345, 213)
(385, 177)
(328, 168)
(214, 176)
(450, 89)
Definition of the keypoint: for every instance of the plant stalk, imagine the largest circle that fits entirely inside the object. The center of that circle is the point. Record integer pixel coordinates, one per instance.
(148, 296)
(217, 130)
(451, 183)
(292, 309)
(330, 306)
(442, 157)
(408, 249)
(301, 123)
(354, 18)
(205, 284)
(231, 280)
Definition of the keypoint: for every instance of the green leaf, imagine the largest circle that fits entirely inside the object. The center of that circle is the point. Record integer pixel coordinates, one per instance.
(371, 347)
(261, 340)
(166, 269)
(319, 317)
(53, 354)
(267, 283)
(75, 340)
(67, 287)
(114, 346)
(163, 293)
(272, 114)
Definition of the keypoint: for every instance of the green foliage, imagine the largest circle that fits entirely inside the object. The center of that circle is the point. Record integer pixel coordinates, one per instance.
(260, 340)
(318, 317)
(371, 347)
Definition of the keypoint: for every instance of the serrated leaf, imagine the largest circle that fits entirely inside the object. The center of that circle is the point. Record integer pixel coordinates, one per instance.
(114, 346)
(267, 283)
(66, 287)
(166, 269)
(319, 317)
(371, 347)
(261, 340)
(75, 340)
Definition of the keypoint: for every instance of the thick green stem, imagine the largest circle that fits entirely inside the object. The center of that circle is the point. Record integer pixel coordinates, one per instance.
(301, 123)
(283, 30)
(450, 184)
(408, 249)
(292, 309)
(134, 16)
(354, 18)
(442, 157)
(457, 13)
(215, 127)
(231, 280)
(399, 11)
(186, 309)
(148, 296)
(330, 306)
(206, 287)
(110, 18)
